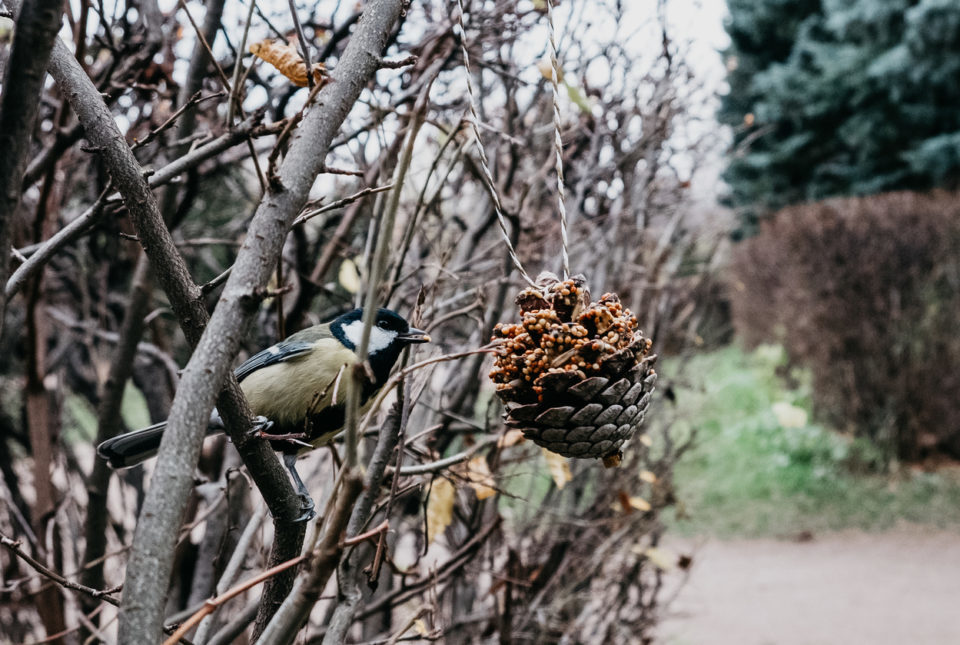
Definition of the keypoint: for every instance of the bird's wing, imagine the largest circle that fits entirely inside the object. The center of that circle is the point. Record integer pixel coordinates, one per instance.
(291, 347)
(282, 351)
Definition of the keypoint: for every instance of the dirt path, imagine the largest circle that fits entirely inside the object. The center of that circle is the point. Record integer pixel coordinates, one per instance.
(896, 588)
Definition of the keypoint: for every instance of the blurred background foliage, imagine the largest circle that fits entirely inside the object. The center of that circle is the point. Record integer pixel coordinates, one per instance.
(832, 106)
(839, 97)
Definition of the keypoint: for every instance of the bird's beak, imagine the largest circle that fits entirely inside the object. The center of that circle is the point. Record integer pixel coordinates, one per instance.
(415, 335)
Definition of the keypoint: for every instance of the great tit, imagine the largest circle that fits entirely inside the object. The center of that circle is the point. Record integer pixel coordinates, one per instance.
(290, 387)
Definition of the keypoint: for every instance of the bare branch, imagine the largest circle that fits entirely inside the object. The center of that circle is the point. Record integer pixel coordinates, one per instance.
(340, 203)
(14, 547)
(67, 235)
(36, 29)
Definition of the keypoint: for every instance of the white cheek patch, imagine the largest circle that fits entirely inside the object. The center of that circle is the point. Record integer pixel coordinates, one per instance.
(353, 332)
(379, 338)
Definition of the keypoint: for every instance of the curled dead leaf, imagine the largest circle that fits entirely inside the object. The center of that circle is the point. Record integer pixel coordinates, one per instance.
(288, 61)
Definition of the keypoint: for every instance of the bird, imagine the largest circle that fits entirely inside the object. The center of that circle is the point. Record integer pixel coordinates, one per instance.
(291, 387)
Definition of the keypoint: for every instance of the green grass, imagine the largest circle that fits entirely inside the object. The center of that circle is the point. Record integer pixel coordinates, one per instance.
(748, 475)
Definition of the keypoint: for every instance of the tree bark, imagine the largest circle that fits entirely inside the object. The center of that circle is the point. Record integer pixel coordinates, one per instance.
(36, 30)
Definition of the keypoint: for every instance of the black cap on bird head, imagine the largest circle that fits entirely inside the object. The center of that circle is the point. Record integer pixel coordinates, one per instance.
(390, 331)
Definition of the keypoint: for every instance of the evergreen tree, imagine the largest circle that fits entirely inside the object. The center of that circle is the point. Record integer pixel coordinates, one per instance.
(849, 97)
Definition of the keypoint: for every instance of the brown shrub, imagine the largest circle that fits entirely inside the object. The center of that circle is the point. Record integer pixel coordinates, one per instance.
(865, 292)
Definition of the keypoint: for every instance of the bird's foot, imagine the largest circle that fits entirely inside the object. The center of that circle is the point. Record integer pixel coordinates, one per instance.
(306, 508)
(260, 426)
(306, 502)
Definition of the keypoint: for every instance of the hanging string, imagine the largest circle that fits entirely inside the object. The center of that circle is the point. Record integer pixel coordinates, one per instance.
(557, 141)
(484, 163)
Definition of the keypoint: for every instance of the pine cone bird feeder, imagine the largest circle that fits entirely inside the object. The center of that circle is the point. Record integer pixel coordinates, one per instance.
(576, 376)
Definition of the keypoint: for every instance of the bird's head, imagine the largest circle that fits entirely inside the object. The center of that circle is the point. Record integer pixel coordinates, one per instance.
(388, 336)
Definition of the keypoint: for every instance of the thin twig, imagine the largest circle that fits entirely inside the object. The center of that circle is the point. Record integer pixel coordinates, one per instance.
(69, 233)
(206, 45)
(396, 378)
(196, 99)
(340, 203)
(229, 575)
(235, 85)
(14, 547)
(382, 527)
(452, 460)
(304, 47)
(397, 64)
(213, 603)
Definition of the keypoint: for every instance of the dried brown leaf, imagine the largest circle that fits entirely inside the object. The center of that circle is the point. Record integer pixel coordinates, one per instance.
(510, 438)
(288, 61)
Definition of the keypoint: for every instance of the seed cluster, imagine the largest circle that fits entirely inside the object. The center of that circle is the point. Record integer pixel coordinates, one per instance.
(562, 335)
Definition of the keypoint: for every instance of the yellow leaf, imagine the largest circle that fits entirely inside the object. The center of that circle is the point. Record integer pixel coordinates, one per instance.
(421, 627)
(663, 559)
(647, 476)
(349, 276)
(789, 416)
(559, 467)
(287, 59)
(439, 508)
(640, 504)
(480, 478)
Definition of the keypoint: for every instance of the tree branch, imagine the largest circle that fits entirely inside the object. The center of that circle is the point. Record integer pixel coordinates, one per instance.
(36, 30)
(151, 558)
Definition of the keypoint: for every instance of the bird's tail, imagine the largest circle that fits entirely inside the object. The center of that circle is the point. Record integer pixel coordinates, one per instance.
(130, 448)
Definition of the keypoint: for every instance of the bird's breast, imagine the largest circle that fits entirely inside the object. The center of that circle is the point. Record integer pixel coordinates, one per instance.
(289, 391)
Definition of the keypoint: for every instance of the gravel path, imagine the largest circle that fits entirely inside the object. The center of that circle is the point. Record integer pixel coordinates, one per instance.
(896, 588)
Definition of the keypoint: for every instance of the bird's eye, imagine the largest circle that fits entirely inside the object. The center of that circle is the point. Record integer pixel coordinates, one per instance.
(382, 324)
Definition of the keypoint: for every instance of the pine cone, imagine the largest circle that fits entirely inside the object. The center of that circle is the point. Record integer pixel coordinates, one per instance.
(576, 376)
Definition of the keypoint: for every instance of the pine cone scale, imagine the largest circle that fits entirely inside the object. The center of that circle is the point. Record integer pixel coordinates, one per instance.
(575, 375)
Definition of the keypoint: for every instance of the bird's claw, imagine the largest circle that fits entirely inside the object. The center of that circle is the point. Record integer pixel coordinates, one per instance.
(306, 507)
(260, 426)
